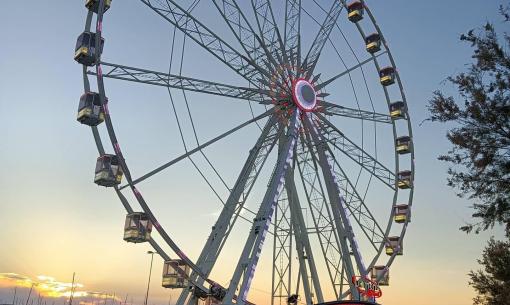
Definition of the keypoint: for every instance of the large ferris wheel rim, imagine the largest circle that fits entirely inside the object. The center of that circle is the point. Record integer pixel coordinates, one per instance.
(409, 129)
(113, 137)
(141, 201)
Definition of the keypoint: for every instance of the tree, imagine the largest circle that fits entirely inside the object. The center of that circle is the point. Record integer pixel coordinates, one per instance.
(480, 156)
(493, 284)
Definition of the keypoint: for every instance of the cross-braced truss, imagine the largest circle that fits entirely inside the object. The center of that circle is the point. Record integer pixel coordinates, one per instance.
(316, 161)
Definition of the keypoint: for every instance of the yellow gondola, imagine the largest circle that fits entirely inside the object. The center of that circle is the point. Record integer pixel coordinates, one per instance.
(93, 5)
(373, 43)
(401, 214)
(355, 11)
(397, 110)
(393, 244)
(387, 76)
(403, 145)
(405, 180)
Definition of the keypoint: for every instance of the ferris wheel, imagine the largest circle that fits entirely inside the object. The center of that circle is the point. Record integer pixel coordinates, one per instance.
(332, 157)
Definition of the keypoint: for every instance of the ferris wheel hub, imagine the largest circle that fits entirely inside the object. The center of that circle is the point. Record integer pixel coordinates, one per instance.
(304, 95)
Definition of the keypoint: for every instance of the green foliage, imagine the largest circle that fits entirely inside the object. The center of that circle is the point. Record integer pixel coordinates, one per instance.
(493, 283)
(480, 157)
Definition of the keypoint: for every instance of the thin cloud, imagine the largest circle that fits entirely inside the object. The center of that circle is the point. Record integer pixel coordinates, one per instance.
(47, 286)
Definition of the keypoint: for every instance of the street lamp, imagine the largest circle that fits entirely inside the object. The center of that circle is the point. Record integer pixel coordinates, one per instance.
(150, 272)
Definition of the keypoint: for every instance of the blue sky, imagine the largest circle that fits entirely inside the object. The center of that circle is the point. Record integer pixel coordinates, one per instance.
(56, 221)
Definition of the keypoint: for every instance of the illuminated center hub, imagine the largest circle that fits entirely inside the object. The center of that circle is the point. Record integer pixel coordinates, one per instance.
(304, 95)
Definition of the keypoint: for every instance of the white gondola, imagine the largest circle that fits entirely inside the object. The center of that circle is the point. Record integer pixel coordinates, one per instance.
(108, 171)
(172, 278)
(381, 273)
(137, 228)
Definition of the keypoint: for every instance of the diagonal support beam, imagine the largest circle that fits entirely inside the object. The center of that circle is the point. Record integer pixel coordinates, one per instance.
(321, 215)
(356, 205)
(247, 263)
(237, 198)
(342, 223)
(338, 203)
(197, 149)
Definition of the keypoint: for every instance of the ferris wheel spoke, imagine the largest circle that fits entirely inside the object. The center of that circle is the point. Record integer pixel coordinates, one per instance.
(198, 148)
(337, 110)
(236, 200)
(292, 37)
(267, 26)
(356, 205)
(271, 37)
(144, 76)
(347, 71)
(324, 224)
(253, 45)
(242, 30)
(338, 205)
(368, 162)
(207, 39)
(320, 40)
(247, 263)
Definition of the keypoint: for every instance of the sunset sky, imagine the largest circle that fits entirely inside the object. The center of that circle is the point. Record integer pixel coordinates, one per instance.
(56, 221)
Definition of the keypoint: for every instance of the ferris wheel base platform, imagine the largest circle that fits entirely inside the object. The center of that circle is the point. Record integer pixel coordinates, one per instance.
(348, 303)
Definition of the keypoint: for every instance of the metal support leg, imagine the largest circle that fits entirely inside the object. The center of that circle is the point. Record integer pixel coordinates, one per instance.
(341, 222)
(249, 258)
(226, 220)
(302, 241)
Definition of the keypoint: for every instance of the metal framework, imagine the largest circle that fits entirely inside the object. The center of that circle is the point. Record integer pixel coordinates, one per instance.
(322, 200)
